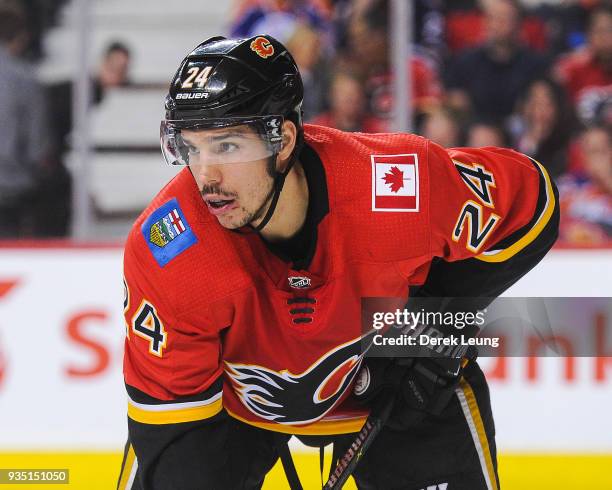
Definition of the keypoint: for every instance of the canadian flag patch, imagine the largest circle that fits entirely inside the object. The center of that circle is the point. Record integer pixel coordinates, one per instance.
(395, 183)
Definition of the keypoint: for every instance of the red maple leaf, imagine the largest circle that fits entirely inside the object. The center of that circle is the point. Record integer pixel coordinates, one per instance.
(395, 179)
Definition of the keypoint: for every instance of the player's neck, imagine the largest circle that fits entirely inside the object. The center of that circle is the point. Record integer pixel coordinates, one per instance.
(290, 212)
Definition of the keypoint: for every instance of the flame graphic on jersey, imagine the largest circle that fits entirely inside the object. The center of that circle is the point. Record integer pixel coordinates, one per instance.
(303, 398)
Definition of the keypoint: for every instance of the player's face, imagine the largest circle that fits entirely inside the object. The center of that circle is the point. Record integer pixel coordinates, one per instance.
(235, 193)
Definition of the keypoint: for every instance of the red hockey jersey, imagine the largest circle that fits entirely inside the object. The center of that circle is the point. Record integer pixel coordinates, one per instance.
(216, 321)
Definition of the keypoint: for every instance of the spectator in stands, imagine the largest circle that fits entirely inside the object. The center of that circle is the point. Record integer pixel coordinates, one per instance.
(586, 197)
(441, 126)
(369, 56)
(482, 133)
(587, 73)
(543, 125)
(115, 66)
(465, 26)
(602, 113)
(348, 111)
(565, 22)
(22, 126)
(428, 28)
(40, 16)
(304, 44)
(111, 73)
(250, 16)
(487, 80)
(53, 204)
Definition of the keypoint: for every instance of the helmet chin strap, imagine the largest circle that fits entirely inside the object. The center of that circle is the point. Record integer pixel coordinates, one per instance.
(279, 182)
(275, 192)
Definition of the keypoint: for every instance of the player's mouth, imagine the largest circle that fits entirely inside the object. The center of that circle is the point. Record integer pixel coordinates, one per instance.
(218, 206)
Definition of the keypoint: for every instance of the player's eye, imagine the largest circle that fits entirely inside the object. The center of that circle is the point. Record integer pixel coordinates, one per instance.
(193, 150)
(226, 147)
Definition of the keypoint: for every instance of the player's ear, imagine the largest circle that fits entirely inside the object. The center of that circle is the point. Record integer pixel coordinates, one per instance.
(289, 139)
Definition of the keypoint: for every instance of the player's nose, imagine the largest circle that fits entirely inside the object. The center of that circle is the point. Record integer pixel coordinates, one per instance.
(209, 174)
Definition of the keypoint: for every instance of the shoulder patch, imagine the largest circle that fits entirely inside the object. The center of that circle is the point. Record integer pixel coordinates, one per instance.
(167, 232)
(395, 183)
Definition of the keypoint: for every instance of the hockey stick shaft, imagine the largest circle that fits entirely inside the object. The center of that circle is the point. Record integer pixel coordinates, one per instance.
(348, 462)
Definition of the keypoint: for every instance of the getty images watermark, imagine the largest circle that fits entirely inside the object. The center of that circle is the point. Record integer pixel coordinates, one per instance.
(426, 328)
(542, 327)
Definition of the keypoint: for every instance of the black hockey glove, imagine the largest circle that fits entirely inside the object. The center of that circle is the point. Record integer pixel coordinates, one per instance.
(423, 386)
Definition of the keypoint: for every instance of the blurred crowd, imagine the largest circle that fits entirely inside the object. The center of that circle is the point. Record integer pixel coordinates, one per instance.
(533, 75)
(36, 121)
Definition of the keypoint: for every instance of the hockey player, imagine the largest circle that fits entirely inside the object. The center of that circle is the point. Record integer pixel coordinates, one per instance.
(243, 281)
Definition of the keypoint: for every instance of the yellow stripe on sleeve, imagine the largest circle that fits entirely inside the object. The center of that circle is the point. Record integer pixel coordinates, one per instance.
(532, 234)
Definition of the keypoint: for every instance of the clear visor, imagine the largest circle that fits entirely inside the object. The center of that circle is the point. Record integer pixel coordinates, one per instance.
(215, 142)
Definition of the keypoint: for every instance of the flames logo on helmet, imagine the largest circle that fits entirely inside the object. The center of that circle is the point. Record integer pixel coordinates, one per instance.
(287, 398)
(262, 47)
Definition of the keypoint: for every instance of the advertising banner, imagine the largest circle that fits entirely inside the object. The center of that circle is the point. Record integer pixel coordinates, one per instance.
(61, 342)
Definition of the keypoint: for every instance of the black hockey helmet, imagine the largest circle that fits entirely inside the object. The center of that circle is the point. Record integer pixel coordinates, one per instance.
(228, 82)
(224, 78)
